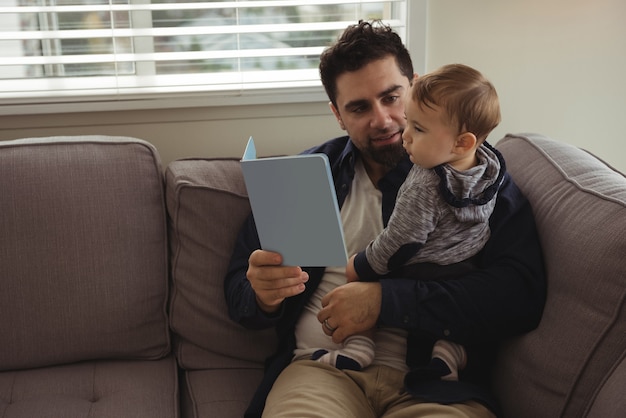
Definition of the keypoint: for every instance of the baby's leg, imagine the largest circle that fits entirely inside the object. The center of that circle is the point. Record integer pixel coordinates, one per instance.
(450, 358)
(357, 352)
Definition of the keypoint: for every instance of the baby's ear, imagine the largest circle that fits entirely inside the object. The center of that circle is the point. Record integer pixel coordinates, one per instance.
(466, 142)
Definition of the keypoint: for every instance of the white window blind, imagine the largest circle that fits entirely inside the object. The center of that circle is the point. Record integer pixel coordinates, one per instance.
(95, 50)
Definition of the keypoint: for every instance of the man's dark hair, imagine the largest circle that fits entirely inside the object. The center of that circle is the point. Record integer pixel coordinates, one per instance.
(359, 45)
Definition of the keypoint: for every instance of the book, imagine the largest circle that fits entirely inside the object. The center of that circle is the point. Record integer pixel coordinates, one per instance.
(295, 208)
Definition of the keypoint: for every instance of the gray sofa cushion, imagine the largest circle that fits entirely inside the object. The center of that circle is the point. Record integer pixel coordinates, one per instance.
(580, 208)
(83, 250)
(218, 393)
(207, 203)
(96, 389)
(610, 401)
(223, 362)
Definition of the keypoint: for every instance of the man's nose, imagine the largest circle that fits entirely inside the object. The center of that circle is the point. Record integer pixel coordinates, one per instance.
(380, 117)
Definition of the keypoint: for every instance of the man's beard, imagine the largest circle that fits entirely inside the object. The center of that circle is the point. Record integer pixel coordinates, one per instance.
(388, 156)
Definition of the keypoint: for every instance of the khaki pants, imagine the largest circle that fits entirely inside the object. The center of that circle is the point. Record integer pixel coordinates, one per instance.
(311, 389)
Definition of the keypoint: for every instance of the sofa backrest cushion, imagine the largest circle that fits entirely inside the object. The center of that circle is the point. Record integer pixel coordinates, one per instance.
(580, 209)
(83, 251)
(610, 401)
(207, 204)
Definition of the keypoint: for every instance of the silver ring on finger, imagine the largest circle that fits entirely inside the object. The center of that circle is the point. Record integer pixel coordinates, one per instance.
(328, 327)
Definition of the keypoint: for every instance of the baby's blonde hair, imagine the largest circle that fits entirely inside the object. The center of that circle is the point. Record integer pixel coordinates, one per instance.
(469, 99)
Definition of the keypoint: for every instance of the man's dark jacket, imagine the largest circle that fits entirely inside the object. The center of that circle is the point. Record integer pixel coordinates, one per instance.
(503, 297)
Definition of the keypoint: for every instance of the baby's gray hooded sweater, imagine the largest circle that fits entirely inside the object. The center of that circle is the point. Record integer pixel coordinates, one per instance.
(441, 216)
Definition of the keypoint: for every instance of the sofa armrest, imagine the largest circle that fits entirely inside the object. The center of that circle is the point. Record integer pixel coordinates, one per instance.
(580, 209)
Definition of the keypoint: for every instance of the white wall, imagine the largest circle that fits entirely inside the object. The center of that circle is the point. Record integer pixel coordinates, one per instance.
(559, 67)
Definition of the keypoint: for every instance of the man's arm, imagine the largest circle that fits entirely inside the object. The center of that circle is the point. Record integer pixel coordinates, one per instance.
(505, 296)
(261, 309)
(256, 284)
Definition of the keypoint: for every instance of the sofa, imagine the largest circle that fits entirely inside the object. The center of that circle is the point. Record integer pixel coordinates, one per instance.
(112, 267)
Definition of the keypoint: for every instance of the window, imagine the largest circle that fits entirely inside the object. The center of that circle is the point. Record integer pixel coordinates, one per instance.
(103, 51)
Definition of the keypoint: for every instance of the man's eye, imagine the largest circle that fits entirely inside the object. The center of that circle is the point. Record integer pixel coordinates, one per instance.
(391, 99)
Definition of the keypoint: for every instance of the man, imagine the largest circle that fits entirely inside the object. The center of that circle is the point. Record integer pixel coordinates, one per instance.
(366, 74)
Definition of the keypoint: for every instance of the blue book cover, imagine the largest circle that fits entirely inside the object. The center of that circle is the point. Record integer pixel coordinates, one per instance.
(295, 208)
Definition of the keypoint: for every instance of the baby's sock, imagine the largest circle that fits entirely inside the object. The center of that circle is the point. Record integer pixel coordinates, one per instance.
(357, 353)
(447, 359)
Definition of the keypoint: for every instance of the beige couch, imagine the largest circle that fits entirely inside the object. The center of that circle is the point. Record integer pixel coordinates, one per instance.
(112, 302)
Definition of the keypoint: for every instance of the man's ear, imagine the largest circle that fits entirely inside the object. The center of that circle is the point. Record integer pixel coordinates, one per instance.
(465, 142)
(337, 115)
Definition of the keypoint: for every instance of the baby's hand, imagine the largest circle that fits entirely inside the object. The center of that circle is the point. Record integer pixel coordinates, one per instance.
(350, 272)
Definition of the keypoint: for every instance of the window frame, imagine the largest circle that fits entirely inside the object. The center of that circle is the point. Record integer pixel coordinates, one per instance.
(415, 39)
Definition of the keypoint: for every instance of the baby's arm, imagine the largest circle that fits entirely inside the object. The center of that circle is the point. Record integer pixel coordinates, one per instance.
(350, 271)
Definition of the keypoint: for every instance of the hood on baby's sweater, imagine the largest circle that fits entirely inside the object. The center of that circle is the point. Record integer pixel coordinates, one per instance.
(472, 192)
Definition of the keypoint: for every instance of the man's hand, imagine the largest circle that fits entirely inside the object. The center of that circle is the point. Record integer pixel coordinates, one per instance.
(350, 309)
(272, 282)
